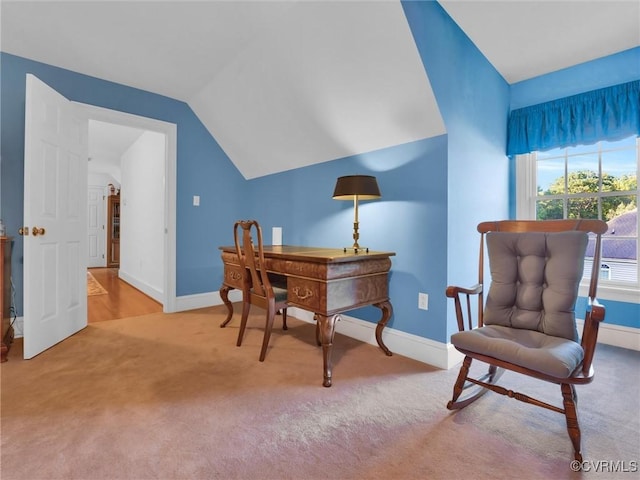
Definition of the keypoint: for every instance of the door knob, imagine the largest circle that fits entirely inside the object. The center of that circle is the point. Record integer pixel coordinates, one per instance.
(37, 231)
(23, 231)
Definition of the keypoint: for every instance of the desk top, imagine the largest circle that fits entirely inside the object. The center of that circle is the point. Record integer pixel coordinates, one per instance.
(315, 254)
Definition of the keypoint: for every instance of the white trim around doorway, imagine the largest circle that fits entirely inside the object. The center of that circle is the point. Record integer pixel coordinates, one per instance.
(171, 133)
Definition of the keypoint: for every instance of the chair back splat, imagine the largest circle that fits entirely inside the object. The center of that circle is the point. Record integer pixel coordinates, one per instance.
(257, 286)
(527, 322)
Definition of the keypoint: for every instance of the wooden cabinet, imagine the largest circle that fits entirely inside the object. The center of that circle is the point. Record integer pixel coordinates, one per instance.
(5, 299)
(113, 231)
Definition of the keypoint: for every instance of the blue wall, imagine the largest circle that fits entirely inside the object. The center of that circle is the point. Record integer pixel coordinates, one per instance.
(614, 69)
(412, 180)
(474, 101)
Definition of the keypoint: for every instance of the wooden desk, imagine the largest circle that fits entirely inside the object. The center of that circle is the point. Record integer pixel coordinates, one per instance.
(325, 281)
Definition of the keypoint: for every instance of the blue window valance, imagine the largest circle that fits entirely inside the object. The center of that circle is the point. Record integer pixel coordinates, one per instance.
(610, 113)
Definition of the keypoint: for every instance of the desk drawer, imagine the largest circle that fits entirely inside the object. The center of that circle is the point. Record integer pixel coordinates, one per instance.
(233, 276)
(337, 295)
(308, 294)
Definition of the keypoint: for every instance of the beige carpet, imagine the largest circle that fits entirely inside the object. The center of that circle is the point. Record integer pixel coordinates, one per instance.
(94, 287)
(172, 397)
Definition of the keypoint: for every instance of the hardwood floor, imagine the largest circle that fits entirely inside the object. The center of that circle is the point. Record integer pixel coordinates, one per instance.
(122, 301)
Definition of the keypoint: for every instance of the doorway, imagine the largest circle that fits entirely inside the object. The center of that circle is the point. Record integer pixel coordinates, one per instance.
(122, 156)
(166, 295)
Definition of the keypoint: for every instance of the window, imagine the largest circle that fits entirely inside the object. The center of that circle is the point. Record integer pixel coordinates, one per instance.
(605, 272)
(589, 181)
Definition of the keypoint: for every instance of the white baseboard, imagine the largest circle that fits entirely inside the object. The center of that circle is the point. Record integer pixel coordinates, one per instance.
(419, 348)
(145, 288)
(18, 327)
(203, 300)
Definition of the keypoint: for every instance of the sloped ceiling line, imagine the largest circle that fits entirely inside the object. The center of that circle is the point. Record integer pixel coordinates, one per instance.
(328, 80)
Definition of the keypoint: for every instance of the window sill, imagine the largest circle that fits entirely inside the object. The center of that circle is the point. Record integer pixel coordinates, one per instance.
(615, 293)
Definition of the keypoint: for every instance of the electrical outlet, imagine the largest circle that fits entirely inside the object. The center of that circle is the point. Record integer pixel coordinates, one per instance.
(423, 301)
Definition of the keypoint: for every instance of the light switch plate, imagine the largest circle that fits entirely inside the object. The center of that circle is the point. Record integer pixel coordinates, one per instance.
(423, 301)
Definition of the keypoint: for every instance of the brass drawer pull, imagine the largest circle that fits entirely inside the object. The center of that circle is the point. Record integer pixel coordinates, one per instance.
(307, 293)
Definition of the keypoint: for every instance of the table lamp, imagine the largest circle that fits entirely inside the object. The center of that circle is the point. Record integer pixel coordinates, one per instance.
(356, 187)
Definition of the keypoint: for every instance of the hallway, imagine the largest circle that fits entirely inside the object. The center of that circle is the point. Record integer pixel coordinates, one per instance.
(122, 300)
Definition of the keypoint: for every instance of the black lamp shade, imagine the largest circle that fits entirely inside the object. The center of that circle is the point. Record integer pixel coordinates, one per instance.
(364, 186)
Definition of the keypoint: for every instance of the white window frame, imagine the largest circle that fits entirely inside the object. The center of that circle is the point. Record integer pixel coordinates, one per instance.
(526, 196)
(605, 269)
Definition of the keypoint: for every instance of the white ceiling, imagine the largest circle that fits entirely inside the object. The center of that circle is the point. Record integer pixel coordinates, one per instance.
(524, 39)
(107, 144)
(284, 84)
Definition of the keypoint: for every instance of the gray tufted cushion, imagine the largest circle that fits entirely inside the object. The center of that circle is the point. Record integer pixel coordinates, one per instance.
(535, 278)
(551, 355)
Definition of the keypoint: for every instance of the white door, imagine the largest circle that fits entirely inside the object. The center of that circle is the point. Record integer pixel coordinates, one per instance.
(95, 227)
(55, 196)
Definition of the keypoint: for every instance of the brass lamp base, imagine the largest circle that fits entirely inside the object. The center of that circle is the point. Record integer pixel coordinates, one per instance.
(356, 250)
(356, 247)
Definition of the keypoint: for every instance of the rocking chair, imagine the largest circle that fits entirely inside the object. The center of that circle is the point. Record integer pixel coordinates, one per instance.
(528, 323)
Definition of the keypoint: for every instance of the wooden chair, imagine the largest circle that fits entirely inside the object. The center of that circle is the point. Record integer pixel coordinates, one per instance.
(258, 289)
(528, 322)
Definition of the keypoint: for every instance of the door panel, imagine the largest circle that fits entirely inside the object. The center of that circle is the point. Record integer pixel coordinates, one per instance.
(55, 251)
(95, 227)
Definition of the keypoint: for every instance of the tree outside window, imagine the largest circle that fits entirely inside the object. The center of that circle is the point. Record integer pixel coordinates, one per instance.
(595, 182)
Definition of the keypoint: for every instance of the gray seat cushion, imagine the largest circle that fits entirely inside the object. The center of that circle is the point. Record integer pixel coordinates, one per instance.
(534, 280)
(280, 294)
(537, 351)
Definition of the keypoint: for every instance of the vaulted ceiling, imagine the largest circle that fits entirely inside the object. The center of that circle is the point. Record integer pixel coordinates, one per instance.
(285, 84)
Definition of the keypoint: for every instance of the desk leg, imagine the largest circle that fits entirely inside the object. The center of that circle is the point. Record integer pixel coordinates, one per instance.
(326, 328)
(387, 310)
(224, 295)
